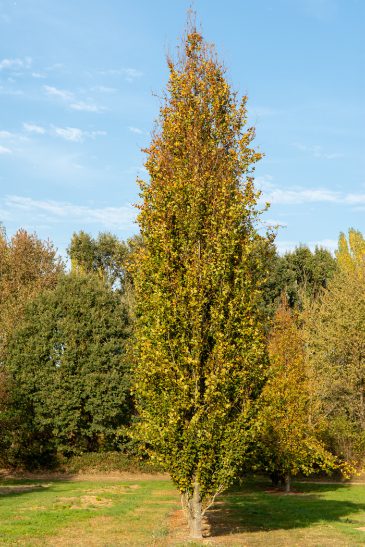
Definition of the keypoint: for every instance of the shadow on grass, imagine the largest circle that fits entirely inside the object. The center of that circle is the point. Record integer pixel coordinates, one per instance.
(10, 487)
(252, 509)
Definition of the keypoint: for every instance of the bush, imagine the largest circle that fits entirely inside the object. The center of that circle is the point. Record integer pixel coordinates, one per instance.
(107, 462)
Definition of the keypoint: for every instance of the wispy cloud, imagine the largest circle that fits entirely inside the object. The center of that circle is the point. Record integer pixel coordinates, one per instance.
(72, 101)
(98, 133)
(60, 93)
(275, 194)
(86, 107)
(286, 246)
(4, 150)
(262, 111)
(119, 218)
(135, 130)
(33, 128)
(39, 75)
(15, 64)
(6, 134)
(317, 151)
(73, 134)
(56, 67)
(129, 74)
(104, 89)
(76, 134)
(299, 196)
(270, 223)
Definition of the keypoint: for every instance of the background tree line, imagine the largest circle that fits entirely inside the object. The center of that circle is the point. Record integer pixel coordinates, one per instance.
(66, 372)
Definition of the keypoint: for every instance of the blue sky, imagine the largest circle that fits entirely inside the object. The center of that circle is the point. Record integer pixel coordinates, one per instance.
(78, 86)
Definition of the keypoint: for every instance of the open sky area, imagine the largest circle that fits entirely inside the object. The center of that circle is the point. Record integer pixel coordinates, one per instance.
(80, 83)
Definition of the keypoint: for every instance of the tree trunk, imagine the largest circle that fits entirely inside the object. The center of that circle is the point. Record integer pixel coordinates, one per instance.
(193, 506)
(287, 482)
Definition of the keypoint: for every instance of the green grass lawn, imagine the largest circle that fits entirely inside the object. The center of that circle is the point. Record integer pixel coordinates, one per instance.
(313, 515)
(112, 512)
(61, 512)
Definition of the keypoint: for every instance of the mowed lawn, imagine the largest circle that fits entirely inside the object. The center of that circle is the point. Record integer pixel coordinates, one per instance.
(110, 511)
(92, 512)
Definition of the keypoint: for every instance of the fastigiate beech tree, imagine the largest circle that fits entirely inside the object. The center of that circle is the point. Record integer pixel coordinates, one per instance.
(199, 343)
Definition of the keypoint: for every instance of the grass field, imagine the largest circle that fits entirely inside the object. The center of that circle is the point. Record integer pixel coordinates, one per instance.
(109, 511)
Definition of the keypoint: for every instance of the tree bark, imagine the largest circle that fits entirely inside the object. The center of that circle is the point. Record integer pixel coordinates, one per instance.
(193, 506)
(287, 482)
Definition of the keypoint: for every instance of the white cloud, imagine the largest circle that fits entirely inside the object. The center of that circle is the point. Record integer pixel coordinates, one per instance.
(299, 196)
(86, 107)
(270, 223)
(104, 89)
(60, 93)
(317, 151)
(129, 74)
(330, 244)
(4, 150)
(135, 130)
(73, 134)
(275, 194)
(355, 199)
(286, 246)
(55, 211)
(6, 135)
(15, 64)
(33, 128)
(71, 100)
(38, 75)
(98, 133)
(262, 111)
(55, 67)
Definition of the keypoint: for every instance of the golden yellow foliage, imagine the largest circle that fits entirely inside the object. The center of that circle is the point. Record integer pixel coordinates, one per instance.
(289, 432)
(199, 342)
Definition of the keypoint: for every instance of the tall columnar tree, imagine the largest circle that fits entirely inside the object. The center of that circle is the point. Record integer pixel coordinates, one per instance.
(200, 351)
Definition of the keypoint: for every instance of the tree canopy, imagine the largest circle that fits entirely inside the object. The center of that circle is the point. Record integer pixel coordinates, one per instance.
(27, 266)
(104, 256)
(199, 343)
(68, 366)
(299, 274)
(336, 341)
(288, 429)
